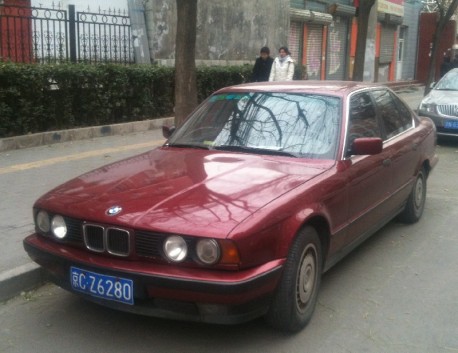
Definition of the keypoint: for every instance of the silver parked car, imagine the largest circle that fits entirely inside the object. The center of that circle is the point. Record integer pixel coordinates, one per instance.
(441, 104)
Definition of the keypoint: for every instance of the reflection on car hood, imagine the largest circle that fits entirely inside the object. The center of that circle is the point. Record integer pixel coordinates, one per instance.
(441, 97)
(181, 190)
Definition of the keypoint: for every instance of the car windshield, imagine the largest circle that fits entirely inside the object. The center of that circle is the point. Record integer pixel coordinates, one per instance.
(299, 125)
(448, 82)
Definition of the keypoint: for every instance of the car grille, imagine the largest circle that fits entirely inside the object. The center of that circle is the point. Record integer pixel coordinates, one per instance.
(113, 240)
(75, 230)
(448, 109)
(148, 244)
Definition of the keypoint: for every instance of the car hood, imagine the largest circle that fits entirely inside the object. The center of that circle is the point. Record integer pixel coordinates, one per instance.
(441, 97)
(186, 191)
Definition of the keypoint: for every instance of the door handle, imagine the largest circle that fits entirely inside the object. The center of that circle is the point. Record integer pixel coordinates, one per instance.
(386, 162)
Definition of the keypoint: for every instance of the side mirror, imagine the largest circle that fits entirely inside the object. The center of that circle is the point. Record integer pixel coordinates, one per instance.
(168, 131)
(367, 146)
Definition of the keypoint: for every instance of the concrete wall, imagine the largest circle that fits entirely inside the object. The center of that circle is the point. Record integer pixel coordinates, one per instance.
(228, 31)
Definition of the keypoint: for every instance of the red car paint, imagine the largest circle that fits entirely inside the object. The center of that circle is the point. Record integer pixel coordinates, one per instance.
(254, 203)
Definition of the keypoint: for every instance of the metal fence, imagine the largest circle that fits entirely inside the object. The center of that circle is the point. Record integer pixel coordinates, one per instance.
(51, 35)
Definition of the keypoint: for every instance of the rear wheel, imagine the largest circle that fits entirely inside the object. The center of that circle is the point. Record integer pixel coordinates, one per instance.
(416, 201)
(295, 299)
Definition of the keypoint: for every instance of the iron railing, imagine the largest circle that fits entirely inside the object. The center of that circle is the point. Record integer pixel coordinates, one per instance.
(51, 35)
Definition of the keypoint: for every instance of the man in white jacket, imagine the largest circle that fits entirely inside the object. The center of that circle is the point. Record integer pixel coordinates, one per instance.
(282, 67)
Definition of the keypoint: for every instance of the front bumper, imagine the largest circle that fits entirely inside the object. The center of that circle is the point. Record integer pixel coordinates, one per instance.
(222, 297)
(439, 121)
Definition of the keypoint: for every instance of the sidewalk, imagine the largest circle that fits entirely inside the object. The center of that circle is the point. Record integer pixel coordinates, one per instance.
(29, 275)
(51, 137)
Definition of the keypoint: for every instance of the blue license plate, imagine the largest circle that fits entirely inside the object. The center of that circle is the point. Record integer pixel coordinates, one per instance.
(451, 124)
(102, 286)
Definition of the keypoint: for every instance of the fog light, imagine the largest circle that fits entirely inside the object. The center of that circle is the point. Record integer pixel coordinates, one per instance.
(58, 226)
(208, 251)
(42, 222)
(175, 248)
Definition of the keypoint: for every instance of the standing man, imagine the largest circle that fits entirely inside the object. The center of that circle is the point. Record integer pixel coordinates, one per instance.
(262, 66)
(283, 66)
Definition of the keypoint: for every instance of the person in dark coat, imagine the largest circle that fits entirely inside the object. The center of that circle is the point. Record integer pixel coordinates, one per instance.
(262, 66)
(446, 65)
(454, 63)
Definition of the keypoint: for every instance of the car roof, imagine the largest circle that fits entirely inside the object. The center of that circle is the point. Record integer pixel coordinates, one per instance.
(335, 88)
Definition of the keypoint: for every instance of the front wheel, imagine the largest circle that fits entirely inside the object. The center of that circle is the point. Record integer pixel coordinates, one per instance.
(295, 298)
(416, 201)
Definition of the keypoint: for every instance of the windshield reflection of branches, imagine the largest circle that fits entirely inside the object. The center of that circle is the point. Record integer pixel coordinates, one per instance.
(303, 124)
(449, 82)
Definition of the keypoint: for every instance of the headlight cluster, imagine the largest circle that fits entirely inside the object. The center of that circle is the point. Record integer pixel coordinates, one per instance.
(56, 225)
(427, 108)
(176, 249)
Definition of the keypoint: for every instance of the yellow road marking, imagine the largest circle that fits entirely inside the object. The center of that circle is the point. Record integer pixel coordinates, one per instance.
(77, 156)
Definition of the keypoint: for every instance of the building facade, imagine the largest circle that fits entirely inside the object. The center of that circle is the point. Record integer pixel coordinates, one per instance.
(228, 31)
(321, 35)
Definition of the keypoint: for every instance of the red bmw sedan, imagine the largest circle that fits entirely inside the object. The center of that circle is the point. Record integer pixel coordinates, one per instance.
(261, 190)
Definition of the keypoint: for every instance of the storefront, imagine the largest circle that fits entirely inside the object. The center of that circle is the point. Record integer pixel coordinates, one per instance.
(318, 43)
(338, 39)
(306, 38)
(389, 17)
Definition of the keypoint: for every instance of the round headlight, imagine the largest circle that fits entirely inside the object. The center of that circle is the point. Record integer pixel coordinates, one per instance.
(42, 221)
(175, 248)
(58, 226)
(208, 251)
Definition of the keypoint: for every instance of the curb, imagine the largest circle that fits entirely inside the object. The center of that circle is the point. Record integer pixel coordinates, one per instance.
(22, 278)
(52, 137)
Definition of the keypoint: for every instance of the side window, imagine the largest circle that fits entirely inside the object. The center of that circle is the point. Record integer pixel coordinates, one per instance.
(362, 119)
(395, 116)
(404, 113)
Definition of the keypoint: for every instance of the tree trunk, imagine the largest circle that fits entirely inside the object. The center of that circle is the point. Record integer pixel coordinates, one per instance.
(185, 65)
(364, 11)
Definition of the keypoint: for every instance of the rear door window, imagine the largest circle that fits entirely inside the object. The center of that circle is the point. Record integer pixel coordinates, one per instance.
(395, 116)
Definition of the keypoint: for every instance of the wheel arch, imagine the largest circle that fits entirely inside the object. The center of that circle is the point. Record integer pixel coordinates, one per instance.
(426, 165)
(321, 225)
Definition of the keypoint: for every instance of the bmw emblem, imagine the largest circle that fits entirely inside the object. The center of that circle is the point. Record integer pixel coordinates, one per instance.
(113, 210)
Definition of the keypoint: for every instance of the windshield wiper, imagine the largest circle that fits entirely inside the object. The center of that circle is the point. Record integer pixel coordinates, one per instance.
(254, 150)
(187, 145)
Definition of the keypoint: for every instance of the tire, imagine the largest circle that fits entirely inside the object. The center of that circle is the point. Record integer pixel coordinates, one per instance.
(296, 295)
(416, 200)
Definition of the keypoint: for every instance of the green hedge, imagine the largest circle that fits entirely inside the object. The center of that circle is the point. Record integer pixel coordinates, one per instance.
(35, 98)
